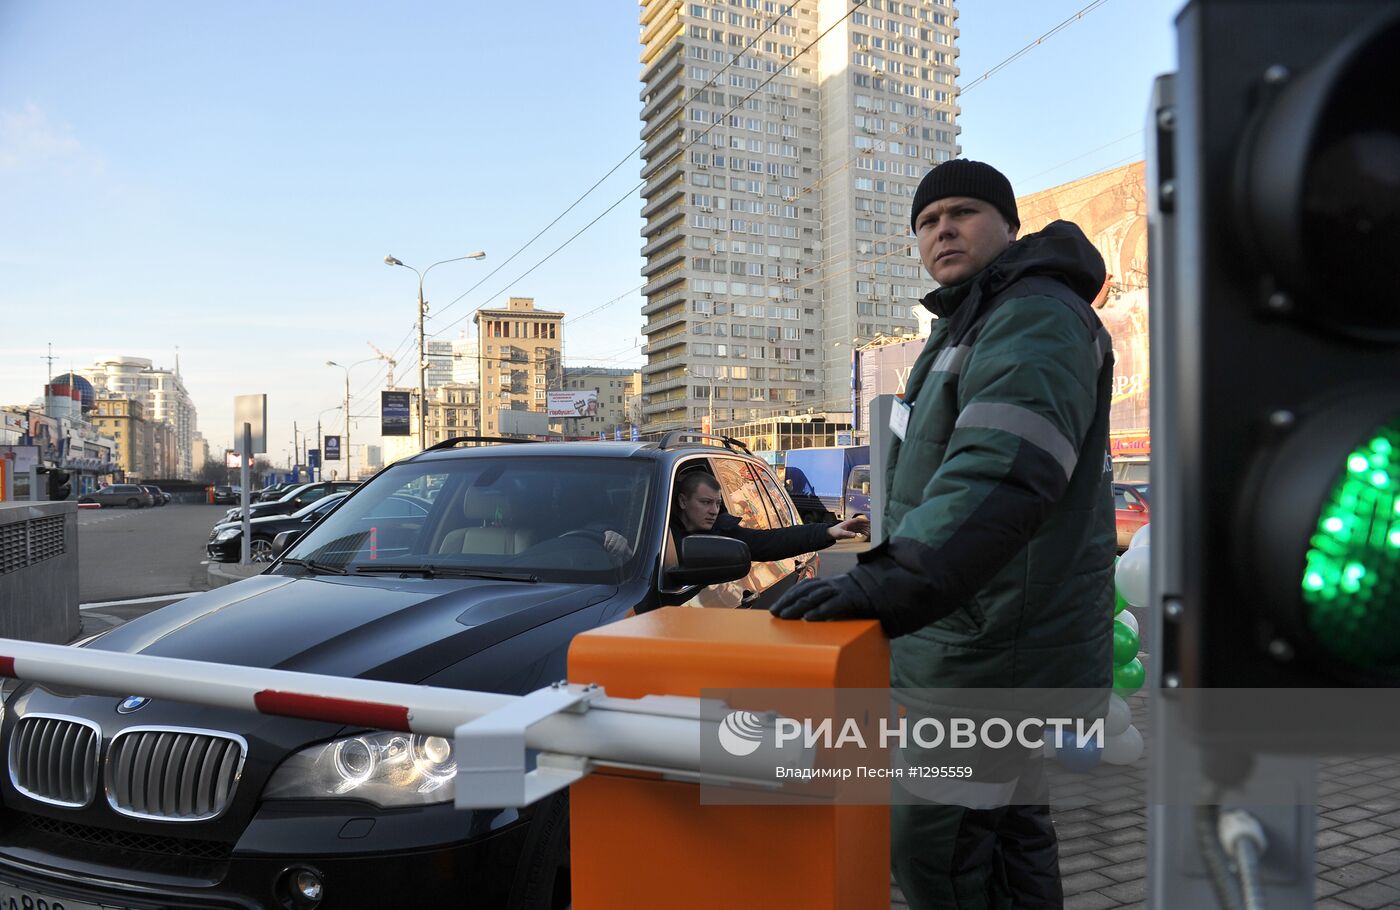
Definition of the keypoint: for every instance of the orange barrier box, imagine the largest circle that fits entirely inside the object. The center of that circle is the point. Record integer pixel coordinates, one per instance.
(639, 841)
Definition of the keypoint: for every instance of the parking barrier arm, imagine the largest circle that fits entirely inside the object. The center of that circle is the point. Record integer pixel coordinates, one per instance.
(576, 727)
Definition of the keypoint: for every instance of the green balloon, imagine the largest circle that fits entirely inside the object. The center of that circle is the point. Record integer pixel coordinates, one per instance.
(1119, 604)
(1128, 678)
(1125, 643)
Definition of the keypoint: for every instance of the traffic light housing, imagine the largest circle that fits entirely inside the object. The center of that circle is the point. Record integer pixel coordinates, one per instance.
(1275, 187)
(59, 486)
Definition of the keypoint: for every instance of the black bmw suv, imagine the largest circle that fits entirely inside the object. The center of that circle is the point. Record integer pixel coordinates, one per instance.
(143, 804)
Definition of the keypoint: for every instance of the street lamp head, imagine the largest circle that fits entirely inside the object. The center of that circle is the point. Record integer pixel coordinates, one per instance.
(390, 260)
(332, 363)
(479, 254)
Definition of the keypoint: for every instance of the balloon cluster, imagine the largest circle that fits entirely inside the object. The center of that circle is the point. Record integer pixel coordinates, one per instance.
(1123, 744)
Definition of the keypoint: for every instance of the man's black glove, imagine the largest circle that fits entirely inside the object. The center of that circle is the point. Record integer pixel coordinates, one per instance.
(841, 597)
(877, 588)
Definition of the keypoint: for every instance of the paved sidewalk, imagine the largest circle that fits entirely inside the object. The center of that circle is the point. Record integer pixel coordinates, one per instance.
(1103, 843)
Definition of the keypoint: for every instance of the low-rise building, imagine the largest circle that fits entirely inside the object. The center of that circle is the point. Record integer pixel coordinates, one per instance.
(619, 395)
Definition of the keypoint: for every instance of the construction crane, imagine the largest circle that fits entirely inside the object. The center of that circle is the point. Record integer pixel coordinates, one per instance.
(389, 384)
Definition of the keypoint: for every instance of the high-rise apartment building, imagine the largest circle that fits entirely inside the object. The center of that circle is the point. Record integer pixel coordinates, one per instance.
(124, 421)
(777, 194)
(521, 353)
(163, 393)
(438, 354)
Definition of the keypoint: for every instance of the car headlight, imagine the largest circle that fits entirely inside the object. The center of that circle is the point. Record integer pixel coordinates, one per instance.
(387, 769)
(227, 534)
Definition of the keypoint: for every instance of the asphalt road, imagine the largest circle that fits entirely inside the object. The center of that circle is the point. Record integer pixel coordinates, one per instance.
(133, 553)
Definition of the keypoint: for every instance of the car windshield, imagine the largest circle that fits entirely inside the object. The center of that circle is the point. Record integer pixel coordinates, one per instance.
(554, 518)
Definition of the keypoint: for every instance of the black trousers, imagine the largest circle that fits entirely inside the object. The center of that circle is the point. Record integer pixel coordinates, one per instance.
(954, 858)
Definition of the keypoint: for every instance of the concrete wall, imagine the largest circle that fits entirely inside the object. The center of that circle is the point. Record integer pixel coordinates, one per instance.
(39, 571)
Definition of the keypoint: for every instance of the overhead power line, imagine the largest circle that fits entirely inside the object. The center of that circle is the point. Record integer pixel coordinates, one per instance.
(626, 158)
(674, 155)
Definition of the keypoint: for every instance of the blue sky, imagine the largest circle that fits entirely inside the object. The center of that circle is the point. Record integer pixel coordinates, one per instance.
(226, 179)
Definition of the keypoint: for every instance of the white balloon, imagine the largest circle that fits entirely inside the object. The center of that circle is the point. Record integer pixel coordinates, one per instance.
(1141, 537)
(1123, 749)
(1133, 576)
(1120, 716)
(1128, 619)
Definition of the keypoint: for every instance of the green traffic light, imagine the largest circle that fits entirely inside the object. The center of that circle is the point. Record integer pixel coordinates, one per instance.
(1351, 584)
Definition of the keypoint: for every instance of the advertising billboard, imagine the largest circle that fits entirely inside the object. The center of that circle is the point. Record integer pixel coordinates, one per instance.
(882, 371)
(1111, 208)
(332, 448)
(577, 403)
(393, 413)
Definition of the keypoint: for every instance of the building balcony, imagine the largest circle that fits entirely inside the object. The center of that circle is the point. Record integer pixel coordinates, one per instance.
(663, 93)
(662, 220)
(672, 132)
(659, 69)
(660, 242)
(669, 341)
(662, 114)
(673, 362)
(664, 197)
(665, 385)
(668, 257)
(663, 282)
(662, 303)
(670, 320)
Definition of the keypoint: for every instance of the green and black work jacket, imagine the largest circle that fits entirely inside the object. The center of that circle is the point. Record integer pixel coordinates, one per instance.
(998, 562)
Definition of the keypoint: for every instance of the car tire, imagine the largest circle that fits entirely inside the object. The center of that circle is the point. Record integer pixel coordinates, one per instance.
(133, 503)
(544, 859)
(260, 549)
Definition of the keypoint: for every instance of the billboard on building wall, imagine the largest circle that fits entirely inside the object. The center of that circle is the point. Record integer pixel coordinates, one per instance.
(1111, 209)
(576, 403)
(882, 371)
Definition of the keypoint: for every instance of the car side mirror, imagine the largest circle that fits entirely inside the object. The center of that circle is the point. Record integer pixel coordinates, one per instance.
(282, 541)
(1136, 507)
(708, 559)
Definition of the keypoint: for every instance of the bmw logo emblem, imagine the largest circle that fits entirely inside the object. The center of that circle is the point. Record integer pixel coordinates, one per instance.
(132, 703)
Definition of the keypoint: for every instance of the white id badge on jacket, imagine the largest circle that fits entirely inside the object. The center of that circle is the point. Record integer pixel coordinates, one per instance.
(899, 419)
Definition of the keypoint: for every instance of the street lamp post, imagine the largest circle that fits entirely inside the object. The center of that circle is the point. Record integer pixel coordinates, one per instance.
(422, 352)
(711, 382)
(332, 363)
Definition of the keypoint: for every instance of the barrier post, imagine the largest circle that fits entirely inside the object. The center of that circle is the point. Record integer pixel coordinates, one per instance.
(639, 840)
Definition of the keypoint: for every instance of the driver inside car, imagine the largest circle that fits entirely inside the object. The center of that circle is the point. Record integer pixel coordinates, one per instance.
(698, 511)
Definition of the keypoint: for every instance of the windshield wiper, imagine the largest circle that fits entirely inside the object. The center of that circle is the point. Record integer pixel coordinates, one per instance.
(427, 570)
(319, 567)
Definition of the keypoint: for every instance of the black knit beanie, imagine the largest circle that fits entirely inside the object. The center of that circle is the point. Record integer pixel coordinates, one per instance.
(972, 179)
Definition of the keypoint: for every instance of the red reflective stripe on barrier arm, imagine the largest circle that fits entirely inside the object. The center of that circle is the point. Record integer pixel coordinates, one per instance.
(7, 667)
(336, 710)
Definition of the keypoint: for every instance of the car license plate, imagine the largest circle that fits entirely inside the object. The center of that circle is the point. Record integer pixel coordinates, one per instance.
(13, 897)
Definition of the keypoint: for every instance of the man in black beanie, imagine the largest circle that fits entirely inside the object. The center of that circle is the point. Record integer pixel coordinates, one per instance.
(996, 567)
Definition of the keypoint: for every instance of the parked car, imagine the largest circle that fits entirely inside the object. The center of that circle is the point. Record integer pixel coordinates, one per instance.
(1132, 510)
(294, 499)
(482, 587)
(226, 539)
(131, 495)
(267, 494)
(225, 494)
(158, 496)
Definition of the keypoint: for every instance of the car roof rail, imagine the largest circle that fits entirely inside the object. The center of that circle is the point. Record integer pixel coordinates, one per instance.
(455, 441)
(680, 437)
